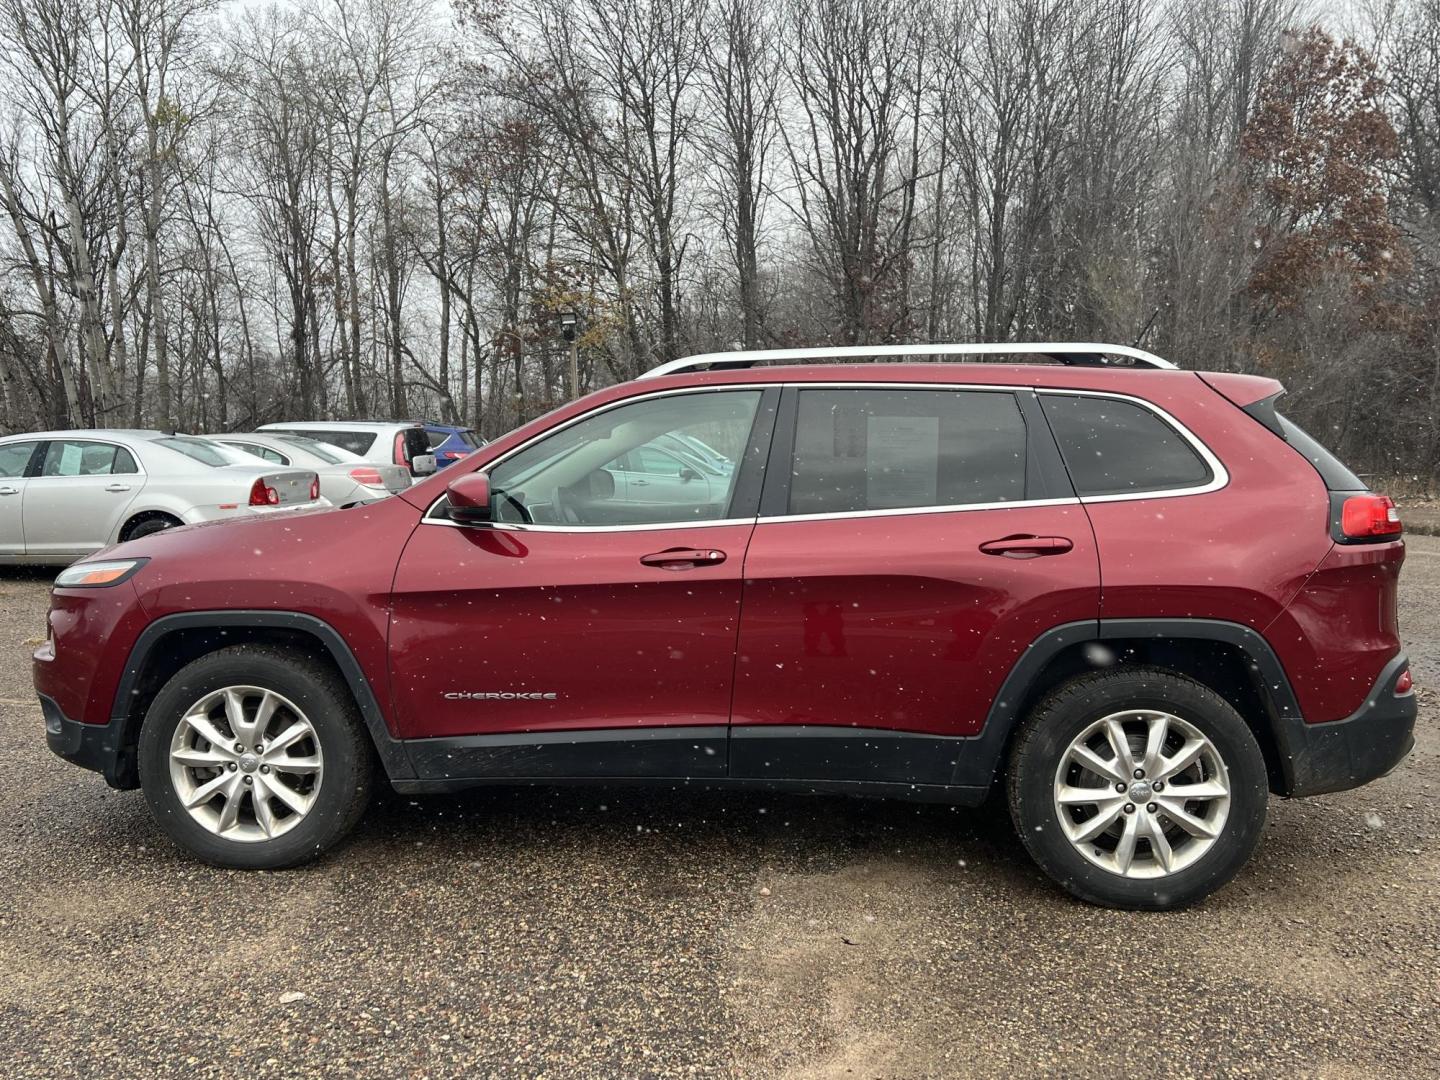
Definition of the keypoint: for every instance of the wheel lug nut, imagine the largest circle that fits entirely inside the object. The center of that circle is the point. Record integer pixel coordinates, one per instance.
(1129, 808)
(232, 766)
(1158, 785)
(1119, 787)
(265, 768)
(1154, 808)
(249, 780)
(239, 748)
(259, 748)
(1139, 774)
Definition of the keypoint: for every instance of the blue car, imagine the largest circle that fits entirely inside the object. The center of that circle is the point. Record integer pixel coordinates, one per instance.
(450, 443)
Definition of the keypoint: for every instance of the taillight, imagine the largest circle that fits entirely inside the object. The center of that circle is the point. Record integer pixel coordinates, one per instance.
(1369, 517)
(1404, 684)
(262, 494)
(315, 489)
(401, 457)
(367, 476)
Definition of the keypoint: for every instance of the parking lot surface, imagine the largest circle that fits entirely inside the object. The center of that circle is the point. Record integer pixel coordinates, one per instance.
(596, 933)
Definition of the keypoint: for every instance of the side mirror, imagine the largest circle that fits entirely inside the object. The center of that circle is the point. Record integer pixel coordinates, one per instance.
(686, 475)
(469, 497)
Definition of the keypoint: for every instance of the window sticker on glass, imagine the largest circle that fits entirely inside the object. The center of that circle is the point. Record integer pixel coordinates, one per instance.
(902, 459)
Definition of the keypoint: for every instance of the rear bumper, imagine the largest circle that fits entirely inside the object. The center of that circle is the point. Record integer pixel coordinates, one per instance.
(91, 746)
(1344, 754)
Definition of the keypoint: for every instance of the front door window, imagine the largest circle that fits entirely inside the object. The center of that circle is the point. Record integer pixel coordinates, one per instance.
(613, 468)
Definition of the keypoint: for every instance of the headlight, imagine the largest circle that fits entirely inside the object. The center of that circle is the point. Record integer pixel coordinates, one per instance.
(98, 575)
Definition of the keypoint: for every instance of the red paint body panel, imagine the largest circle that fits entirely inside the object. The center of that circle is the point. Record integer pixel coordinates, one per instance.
(1238, 554)
(1243, 390)
(900, 621)
(333, 564)
(82, 662)
(576, 614)
(1341, 629)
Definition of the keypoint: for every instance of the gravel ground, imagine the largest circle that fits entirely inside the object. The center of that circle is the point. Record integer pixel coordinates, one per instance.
(627, 933)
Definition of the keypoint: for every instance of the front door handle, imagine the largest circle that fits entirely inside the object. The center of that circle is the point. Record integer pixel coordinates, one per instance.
(117, 487)
(1027, 547)
(8, 490)
(684, 558)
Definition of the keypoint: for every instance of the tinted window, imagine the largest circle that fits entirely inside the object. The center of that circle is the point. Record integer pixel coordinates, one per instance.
(575, 477)
(81, 458)
(869, 449)
(14, 457)
(1116, 447)
(469, 438)
(436, 439)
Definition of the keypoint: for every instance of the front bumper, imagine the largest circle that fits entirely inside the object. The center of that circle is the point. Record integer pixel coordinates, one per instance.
(1344, 754)
(98, 747)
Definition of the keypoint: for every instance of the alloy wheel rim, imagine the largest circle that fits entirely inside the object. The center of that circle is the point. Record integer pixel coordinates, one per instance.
(1142, 793)
(246, 763)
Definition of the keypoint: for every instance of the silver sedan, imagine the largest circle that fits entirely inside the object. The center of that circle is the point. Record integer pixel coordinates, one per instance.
(344, 477)
(64, 494)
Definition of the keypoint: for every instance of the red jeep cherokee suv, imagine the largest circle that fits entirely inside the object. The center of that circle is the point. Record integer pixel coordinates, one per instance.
(1138, 598)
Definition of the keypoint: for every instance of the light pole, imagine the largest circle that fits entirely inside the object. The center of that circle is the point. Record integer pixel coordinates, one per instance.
(569, 321)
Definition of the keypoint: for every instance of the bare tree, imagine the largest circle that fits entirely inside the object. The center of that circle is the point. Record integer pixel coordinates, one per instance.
(742, 90)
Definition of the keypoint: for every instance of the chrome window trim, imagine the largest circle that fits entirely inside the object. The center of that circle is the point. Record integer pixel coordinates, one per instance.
(1220, 476)
(134, 456)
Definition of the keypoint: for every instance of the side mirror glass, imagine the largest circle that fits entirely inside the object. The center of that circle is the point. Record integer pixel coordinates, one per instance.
(469, 497)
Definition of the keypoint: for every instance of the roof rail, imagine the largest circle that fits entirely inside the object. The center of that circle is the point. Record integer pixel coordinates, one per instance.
(1086, 354)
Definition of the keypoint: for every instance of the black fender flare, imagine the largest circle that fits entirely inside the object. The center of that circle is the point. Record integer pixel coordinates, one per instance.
(391, 750)
(979, 766)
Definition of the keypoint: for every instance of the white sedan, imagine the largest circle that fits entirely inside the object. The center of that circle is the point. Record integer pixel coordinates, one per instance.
(345, 478)
(65, 494)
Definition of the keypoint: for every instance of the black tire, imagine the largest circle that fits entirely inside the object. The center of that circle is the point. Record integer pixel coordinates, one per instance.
(148, 524)
(315, 689)
(1064, 715)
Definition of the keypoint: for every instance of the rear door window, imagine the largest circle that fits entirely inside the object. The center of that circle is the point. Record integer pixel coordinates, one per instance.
(1115, 447)
(878, 449)
(65, 457)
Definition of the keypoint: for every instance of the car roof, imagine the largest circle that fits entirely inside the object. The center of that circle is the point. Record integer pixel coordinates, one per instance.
(340, 425)
(97, 433)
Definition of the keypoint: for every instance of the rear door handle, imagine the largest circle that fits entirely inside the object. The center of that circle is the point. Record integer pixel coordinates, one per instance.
(684, 558)
(117, 487)
(1027, 547)
(8, 490)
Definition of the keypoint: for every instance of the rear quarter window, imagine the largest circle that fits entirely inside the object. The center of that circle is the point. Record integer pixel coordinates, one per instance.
(1115, 447)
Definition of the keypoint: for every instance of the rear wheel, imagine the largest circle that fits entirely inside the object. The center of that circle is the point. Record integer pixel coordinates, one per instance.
(146, 524)
(1138, 788)
(255, 758)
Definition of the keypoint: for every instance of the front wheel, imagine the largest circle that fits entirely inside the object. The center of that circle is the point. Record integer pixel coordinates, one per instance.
(254, 758)
(1138, 788)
